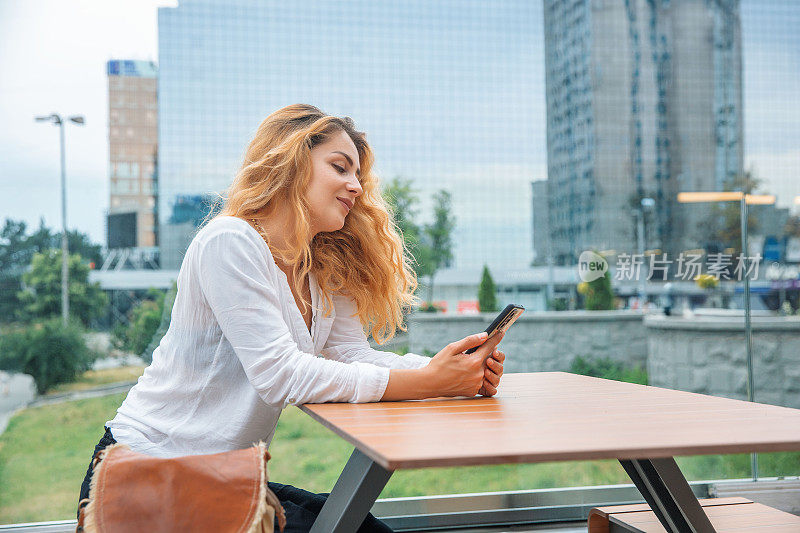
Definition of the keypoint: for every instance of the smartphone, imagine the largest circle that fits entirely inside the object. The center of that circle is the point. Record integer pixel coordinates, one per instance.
(503, 321)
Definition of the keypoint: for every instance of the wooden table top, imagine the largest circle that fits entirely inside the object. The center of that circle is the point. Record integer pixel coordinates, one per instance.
(555, 416)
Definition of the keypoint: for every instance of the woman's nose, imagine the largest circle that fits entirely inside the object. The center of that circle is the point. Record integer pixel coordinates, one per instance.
(354, 186)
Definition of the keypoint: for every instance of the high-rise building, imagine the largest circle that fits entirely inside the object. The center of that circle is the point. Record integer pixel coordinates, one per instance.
(540, 223)
(132, 221)
(446, 91)
(644, 99)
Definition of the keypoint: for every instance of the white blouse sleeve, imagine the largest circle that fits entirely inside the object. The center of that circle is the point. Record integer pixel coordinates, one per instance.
(234, 280)
(348, 343)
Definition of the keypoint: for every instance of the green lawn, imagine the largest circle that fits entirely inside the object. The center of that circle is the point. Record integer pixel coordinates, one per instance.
(45, 452)
(43, 458)
(95, 378)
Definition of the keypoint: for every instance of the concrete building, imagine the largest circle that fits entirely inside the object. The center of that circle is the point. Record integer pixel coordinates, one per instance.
(644, 99)
(456, 291)
(132, 221)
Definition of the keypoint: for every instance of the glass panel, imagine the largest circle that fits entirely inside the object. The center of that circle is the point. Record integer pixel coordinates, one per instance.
(546, 154)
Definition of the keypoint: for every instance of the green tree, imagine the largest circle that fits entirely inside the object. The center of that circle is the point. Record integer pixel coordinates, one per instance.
(598, 295)
(15, 254)
(402, 199)
(17, 249)
(726, 216)
(437, 251)
(430, 245)
(144, 321)
(792, 227)
(80, 244)
(487, 297)
(41, 295)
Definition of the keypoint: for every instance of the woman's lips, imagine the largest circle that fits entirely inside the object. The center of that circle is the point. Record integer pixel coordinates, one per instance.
(346, 205)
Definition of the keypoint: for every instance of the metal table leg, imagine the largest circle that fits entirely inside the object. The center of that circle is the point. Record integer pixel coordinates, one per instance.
(356, 490)
(666, 490)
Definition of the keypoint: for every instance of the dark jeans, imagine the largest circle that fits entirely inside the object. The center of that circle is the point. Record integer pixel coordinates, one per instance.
(301, 507)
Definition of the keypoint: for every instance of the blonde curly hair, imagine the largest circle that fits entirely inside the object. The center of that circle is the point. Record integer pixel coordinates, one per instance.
(366, 259)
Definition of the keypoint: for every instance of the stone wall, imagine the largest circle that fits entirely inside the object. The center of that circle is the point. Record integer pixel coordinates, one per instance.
(701, 354)
(542, 341)
(708, 355)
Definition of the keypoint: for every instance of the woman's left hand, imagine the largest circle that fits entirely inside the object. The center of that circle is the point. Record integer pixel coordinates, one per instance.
(492, 373)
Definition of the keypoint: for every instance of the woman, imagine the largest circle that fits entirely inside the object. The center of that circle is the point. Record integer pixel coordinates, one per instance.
(303, 256)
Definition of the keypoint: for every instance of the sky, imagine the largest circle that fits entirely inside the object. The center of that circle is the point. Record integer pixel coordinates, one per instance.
(53, 55)
(53, 59)
(771, 83)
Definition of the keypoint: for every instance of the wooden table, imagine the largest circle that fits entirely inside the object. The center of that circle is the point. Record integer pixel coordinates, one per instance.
(550, 416)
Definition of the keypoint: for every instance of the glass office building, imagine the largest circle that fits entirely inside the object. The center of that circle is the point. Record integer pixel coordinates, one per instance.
(644, 100)
(446, 91)
(640, 97)
(516, 108)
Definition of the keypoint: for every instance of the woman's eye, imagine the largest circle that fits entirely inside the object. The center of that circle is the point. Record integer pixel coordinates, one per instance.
(339, 169)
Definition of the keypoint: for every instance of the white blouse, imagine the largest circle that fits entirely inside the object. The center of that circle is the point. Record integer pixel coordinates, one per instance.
(238, 351)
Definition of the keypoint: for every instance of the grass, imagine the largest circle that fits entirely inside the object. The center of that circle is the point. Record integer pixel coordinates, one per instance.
(96, 378)
(45, 452)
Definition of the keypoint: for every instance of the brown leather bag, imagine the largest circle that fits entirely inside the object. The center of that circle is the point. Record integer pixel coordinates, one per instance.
(221, 492)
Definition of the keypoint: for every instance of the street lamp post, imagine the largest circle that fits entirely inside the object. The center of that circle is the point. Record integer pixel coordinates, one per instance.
(744, 200)
(56, 120)
(748, 337)
(645, 203)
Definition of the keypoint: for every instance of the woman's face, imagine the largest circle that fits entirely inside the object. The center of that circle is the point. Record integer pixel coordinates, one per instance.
(334, 186)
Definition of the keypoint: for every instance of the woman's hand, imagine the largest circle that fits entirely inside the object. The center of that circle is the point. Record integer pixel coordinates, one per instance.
(492, 373)
(451, 372)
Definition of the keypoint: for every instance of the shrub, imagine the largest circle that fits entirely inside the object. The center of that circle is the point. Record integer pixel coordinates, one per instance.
(487, 299)
(429, 307)
(706, 281)
(583, 288)
(41, 295)
(598, 294)
(47, 351)
(144, 320)
(607, 368)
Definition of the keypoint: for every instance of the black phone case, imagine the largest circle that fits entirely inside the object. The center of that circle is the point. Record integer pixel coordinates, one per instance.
(504, 314)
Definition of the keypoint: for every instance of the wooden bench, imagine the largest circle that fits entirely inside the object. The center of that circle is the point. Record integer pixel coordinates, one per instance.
(726, 514)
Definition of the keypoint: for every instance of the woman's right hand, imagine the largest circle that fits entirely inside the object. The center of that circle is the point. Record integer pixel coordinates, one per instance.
(451, 372)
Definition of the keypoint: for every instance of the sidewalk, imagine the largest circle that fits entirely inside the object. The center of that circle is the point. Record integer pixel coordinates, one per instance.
(18, 391)
(103, 390)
